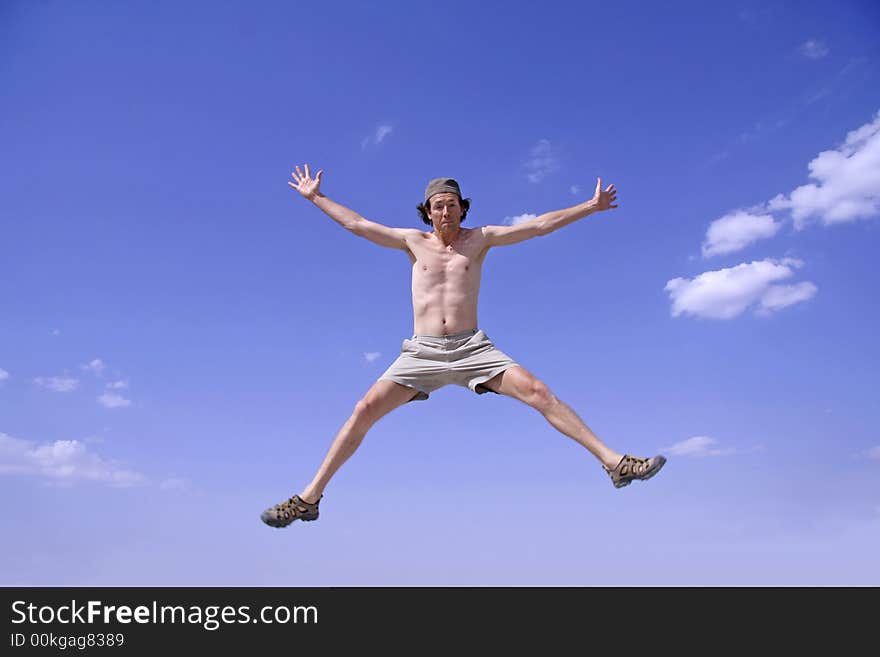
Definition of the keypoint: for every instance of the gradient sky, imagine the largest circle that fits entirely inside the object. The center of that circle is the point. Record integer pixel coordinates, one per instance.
(181, 334)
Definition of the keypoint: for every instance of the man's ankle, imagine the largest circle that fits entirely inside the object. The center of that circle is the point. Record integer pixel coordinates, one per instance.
(613, 461)
(309, 498)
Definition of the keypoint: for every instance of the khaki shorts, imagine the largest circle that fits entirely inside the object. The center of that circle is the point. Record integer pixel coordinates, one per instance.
(429, 362)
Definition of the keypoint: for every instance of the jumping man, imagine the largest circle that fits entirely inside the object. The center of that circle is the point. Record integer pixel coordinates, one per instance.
(447, 347)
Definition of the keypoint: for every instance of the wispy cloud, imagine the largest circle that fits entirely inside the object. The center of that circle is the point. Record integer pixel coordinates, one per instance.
(736, 230)
(95, 367)
(112, 400)
(698, 446)
(852, 76)
(717, 157)
(758, 16)
(175, 484)
(371, 356)
(378, 136)
(518, 219)
(117, 385)
(57, 383)
(3, 374)
(62, 461)
(726, 293)
(575, 190)
(813, 49)
(847, 184)
(763, 127)
(542, 161)
(873, 453)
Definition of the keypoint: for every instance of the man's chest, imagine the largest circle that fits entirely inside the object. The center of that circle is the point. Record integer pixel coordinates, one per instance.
(464, 255)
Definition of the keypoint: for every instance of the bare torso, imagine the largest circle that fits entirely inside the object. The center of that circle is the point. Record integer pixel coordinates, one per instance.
(446, 281)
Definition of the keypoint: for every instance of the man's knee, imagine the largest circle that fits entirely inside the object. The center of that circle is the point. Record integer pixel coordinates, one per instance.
(539, 396)
(365, 411)
(378, 402)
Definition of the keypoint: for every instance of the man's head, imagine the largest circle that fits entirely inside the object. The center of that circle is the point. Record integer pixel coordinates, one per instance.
(443, 204)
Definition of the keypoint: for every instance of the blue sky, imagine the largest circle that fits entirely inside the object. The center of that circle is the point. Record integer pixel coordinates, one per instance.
(181, 335)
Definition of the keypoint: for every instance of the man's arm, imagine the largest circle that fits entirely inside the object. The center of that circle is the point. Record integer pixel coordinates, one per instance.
(393, 238)
(551, 221)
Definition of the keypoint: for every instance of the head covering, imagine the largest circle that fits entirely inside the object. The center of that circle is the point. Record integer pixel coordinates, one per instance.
(440, 185)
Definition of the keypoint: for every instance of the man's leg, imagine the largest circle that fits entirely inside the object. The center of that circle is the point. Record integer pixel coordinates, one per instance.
(519, 383)
(382, 398)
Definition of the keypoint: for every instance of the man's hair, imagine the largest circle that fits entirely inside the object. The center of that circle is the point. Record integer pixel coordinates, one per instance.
(425, 210)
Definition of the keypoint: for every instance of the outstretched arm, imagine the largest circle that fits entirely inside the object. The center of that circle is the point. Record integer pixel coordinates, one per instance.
(551, 221)
(310, 188)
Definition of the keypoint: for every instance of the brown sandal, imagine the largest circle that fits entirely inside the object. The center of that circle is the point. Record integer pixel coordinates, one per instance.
(286, 512)
(631, 468)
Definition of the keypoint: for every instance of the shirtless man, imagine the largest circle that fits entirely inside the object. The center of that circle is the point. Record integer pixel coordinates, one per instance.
(447, 346)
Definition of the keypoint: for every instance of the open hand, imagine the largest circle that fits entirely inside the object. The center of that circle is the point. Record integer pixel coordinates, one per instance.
(305, 185)
(603, 200)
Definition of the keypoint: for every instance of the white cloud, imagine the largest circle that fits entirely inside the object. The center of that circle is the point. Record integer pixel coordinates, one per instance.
(95, 367)
(112, 400)
(873, 453)
(575, 190)
(3, 374)
(847, 184)
(383, 131)
(779, 296)
(697, 446)
(378, 136)
(63, 461)
(736, 230)
(814, 49)
(56, 332)
(518, 219)
(370, 356)
(57, 383)
(117, 385)
(726, 293)
(542, 161)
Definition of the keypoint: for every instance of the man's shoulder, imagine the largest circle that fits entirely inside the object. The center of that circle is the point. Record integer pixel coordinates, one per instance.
(477, 233)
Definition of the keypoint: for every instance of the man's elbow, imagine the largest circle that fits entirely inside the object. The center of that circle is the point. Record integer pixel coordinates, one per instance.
(358, 226)
(543, 228)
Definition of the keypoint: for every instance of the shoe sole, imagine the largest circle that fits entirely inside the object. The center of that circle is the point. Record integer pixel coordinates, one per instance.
(661, 461)
(280, 525)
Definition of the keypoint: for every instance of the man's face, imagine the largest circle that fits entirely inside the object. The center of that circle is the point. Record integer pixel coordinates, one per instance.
(445, 211)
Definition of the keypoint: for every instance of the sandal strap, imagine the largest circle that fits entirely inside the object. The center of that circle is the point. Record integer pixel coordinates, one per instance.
(295, 507)
(632, 464)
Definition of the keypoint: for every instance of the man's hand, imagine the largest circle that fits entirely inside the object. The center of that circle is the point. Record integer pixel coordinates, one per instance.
(603, 200)
(304, 183)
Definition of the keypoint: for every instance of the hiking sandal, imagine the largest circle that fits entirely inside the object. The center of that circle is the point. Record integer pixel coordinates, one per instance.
(631, 468)
(286, 512)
